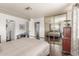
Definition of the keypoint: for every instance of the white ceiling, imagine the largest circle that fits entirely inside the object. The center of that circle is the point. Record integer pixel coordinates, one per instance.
(38, 9)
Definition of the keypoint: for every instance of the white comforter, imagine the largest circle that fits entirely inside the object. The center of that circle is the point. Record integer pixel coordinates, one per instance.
(24, 47)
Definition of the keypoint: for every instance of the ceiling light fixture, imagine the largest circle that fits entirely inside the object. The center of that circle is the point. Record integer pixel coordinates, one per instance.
(28, 8)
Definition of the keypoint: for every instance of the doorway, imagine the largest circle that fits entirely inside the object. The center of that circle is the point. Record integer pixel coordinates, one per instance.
(37, 28)
(27, 29)
(10, 30)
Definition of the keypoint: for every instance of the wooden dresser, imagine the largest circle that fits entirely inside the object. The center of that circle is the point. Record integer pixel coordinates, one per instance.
(66, 42)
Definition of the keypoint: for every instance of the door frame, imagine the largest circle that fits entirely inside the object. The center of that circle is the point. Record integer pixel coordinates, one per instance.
(8, 21)
(37, 35)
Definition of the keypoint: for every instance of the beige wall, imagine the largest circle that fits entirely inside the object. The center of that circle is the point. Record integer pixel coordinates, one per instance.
(73, 14)
(17, 21)
(75, 32)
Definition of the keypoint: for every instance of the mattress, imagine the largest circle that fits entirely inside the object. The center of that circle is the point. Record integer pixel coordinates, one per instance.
(24, 47)
(54, 34)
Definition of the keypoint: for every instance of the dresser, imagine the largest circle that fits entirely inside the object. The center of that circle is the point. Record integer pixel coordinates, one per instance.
(66, 42)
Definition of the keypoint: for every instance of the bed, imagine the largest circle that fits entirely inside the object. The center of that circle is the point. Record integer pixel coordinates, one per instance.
(24, 47)
(54, 35)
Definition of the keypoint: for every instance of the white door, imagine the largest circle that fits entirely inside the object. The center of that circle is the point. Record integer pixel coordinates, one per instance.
(27, 29)
(37, 29)
(10, 30)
